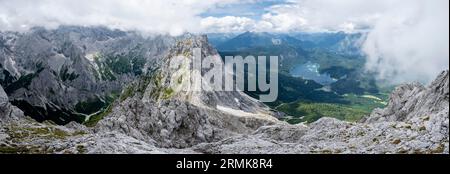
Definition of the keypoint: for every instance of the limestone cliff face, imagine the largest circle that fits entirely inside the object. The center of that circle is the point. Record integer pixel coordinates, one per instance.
(415, 121)
(151, 116)
(8, 112)
(155, 111)
(70, 72)
(410, 101)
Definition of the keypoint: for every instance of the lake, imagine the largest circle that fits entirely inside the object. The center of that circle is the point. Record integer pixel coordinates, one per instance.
(310, 71)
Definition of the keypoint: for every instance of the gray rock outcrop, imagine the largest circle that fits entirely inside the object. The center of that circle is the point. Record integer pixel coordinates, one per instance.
(65, 74)
(152, 116)
(156, 112)
(8, 112)
(415, 121)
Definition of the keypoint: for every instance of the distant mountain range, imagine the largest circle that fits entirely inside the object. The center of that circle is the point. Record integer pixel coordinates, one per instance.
(339, 42)
(67, 74)
(95, 90)
(314, 67)
(72, 73)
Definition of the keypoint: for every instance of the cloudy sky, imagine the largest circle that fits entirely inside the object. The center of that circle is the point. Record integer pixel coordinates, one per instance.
(178, 16)
(402, 34)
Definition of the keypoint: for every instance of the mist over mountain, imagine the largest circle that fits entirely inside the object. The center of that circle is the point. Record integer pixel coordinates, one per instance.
(398, 32)
(149, 116)
(67, 74)
(315, 70)
(112, 76)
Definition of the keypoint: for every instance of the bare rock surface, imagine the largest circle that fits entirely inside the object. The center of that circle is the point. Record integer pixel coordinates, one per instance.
(415, 121)
(152, 116)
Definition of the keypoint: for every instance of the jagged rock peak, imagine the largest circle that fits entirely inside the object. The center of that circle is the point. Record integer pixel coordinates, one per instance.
(158, 113)
(68, 73)
(440, 85)
(8, 112)
(414, 100)
(3, 98)
(416, 121)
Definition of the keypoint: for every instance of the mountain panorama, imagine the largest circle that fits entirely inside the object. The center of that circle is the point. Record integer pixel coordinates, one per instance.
(224, 77)
(97, 90)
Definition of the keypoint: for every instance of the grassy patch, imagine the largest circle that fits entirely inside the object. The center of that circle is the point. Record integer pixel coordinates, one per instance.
(19, 134)
(22, 134)
(94, 119)
(310, 112)
(81, 149)
(127, 92)
(65, 75)
(23, 82)
(4, 149)
(366, 102)
(90, 106)
(105, 71)
(355, 108)
(168, 92)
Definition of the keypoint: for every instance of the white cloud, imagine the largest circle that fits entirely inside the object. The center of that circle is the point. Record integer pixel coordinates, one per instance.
(407, 40)
(268, 23)
(330, 15)
(163, 16)
(281, 22)
(227, 24)
(410, 42)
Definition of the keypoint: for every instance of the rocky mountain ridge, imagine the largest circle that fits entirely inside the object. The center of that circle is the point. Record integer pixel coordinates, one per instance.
(65, 74)
(415, 134)
(157, 111)
(151, 116)
(415, 121)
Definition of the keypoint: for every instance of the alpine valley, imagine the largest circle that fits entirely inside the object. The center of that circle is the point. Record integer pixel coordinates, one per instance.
(97, 90)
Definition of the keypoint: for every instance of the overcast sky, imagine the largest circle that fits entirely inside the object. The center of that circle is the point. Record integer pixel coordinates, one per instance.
(402, 33)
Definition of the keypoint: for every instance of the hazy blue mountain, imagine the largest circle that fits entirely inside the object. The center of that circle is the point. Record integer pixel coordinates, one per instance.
(314, 69)
(338, 42)
(216, 39)
(335, 56)
(259, 39)
(65, 75)
(71, 73)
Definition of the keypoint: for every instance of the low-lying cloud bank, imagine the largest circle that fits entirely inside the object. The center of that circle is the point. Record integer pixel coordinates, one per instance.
(407, 39)
(410, 42)
(156, 16)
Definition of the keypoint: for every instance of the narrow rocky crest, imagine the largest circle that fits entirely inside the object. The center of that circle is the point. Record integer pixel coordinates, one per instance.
(150, 116)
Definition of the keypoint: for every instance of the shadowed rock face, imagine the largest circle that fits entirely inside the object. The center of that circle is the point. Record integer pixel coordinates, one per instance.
(8, 112)
(149, 117)
(415, 121)
(414, 100)
(146, 114)
(157, 112)
(3, 99)
(65, 74)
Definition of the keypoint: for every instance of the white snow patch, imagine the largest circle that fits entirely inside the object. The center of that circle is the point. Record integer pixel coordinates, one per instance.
(10, 65)
(237, 101)
(232, 111)
(241, 113)
(90, 57)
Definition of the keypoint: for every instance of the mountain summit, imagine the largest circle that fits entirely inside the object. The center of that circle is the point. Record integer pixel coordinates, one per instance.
(136, 126)
(151, 110)
(148, 115)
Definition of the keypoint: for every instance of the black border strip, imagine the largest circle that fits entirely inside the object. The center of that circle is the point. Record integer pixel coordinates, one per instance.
(320, 163)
